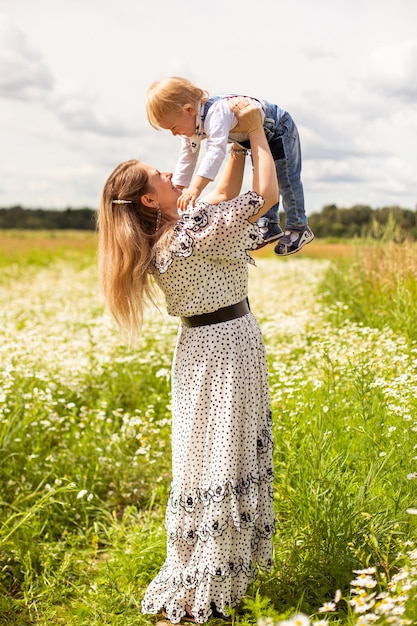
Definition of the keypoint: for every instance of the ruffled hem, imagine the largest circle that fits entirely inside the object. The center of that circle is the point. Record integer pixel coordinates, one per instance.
(217, 570)
(203, 513)
(244, 486)
(204, 518)
(222, 592)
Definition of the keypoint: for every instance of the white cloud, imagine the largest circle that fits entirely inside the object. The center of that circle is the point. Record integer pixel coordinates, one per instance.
(318, 51)
(23, 74)
(392, 71)
(79, 114)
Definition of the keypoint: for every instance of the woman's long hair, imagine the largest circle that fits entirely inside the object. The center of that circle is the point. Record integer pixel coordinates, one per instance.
(127, 233)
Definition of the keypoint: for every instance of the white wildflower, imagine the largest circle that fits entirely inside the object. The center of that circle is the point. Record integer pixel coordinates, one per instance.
(299, 620)
(364, 581)
(368, 571)
(413, 555)
(384, 606)
(265, 621)
(366, 620)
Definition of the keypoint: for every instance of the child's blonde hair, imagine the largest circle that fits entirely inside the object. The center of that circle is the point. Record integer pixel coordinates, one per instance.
(168, 96)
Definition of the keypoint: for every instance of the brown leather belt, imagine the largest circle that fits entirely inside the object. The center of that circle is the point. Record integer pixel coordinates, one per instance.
(221, 315)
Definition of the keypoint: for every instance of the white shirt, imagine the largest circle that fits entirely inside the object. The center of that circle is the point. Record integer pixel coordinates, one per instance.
(217, 129)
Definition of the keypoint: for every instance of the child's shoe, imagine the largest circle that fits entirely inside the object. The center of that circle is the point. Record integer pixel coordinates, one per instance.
(293, 240)
(271, 231)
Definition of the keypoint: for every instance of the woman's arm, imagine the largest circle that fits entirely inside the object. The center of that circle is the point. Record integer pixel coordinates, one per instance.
(231, 179)
(264, 180)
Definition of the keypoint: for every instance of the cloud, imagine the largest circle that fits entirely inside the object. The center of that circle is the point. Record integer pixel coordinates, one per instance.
(375, 182)
(333, 146)
(314, 51)
(392, 71)
(23, 74)
(335, 131)
(78, 114)
(328, 172)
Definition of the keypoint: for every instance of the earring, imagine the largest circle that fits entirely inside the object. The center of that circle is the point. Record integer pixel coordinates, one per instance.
(158, 218)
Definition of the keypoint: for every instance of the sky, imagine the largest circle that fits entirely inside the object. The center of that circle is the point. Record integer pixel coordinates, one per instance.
(74, 75)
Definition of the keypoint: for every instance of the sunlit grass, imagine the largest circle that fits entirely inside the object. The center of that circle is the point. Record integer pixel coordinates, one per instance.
(40, 248)
(378, 289)
(317, 249)
(85, 437)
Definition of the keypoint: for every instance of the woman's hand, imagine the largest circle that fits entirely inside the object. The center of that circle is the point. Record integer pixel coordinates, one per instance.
(247, 113)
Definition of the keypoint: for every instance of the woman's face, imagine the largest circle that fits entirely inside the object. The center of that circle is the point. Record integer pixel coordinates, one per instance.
(164, 192)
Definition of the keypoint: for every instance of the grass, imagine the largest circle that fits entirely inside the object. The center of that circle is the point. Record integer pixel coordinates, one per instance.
(379, 289)
(40, 248)
(318, 249)
(85, 432)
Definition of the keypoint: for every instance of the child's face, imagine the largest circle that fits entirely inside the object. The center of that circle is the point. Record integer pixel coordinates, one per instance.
(181, 123)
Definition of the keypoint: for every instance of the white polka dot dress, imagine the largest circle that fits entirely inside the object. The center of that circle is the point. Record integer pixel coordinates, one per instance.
(220, 516)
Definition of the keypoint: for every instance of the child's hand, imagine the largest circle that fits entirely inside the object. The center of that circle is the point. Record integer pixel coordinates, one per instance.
(188, 196)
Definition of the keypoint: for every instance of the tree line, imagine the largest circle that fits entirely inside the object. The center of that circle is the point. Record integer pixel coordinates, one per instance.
(332, 221)
(47, 219)
(363, 221)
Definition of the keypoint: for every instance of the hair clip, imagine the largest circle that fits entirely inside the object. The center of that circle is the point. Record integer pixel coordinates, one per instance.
(121, 202)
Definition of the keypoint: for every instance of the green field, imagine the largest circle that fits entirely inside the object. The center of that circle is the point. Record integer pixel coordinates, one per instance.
(85, 437)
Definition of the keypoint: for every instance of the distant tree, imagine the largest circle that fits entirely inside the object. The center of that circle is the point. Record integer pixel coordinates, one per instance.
(359, 220)
(47, 219)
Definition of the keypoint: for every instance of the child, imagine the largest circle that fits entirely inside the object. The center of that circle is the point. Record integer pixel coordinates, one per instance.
(176, 104)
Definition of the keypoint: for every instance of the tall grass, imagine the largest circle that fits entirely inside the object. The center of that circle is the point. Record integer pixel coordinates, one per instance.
(85, 439)
(379, 289)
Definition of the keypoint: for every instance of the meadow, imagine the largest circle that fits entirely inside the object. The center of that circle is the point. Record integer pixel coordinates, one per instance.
(85, 437)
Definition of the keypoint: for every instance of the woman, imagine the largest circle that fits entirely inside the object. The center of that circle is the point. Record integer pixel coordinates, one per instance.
(220, 517)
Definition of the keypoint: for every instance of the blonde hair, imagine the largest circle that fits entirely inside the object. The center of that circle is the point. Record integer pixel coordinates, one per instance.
(125, 249)
(168, 96)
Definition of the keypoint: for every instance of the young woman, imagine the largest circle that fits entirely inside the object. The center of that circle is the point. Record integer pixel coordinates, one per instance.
(220, 517)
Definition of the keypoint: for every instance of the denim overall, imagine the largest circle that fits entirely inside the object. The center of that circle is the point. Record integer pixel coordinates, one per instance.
(284, 143)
